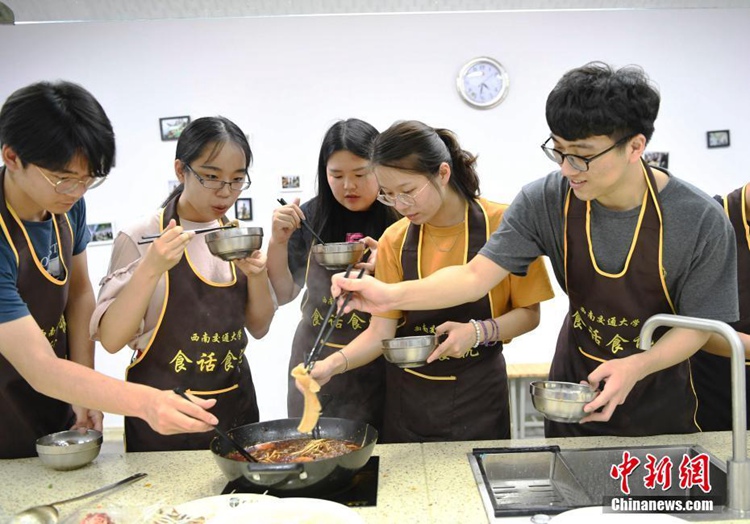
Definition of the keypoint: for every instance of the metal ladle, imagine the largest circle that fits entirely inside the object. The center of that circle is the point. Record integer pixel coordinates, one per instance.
(48, 514)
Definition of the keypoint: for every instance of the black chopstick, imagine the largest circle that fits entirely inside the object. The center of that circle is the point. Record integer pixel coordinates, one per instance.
(304, 223)
(324, 324)
(147, 239)
(321, 342)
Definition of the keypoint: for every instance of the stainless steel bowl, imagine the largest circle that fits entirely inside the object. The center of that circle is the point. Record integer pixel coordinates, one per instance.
(68, 450)
(561, 401)
(338, 255)
(409, 352)
(234, 243)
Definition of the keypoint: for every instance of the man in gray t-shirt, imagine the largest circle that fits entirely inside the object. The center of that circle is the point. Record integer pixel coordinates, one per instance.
(626, 242)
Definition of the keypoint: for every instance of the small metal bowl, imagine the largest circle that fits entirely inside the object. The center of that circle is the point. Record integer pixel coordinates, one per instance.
(68, 450)
(561, 401)
(234, 243)
(409, 352)
(338, 255)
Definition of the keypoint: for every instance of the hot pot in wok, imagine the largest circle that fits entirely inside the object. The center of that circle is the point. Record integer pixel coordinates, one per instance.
(299, 478)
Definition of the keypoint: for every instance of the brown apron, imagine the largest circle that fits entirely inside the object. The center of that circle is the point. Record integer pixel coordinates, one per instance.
(357, 394)
(26, 414)
(604, 321)
(712, 373)
(450, 399)
(199, 344)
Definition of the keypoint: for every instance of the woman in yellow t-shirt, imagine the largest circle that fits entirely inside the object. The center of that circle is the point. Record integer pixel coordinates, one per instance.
(462, 392)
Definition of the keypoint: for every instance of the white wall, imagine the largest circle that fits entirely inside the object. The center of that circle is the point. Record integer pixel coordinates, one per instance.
(285, 80)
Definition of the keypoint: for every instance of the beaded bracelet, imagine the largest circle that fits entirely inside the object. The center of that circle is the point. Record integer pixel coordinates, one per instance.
(346, 360)
(495, 331)
(484, 332)
(477, 332)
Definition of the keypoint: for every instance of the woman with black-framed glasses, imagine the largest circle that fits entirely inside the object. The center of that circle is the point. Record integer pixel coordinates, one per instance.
(181, 310)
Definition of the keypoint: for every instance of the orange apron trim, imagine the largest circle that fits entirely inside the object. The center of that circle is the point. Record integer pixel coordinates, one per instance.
(430, 377)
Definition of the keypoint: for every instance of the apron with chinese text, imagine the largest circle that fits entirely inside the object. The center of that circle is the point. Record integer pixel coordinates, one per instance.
(357, 394)
(25, 414)
(452, 398)
(711, 373)
(605, 316)
(198, 344)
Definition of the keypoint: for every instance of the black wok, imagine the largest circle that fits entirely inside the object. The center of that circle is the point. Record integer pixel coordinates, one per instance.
(302, 478)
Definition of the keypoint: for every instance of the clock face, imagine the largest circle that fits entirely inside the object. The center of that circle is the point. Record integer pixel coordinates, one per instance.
(483, 82)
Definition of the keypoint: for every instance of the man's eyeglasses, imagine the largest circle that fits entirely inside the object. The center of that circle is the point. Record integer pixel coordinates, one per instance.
(214, 184)
(577, 162)
(405, 199)
(67, 186)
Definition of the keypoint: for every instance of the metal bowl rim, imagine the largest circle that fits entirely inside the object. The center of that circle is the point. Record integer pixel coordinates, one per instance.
(235, 232)
(338, 247)
(412, 342)
(44, 445)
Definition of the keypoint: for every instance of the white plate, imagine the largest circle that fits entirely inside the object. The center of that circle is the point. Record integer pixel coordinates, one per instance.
(293, 510)
(596, 514)
(209, 507)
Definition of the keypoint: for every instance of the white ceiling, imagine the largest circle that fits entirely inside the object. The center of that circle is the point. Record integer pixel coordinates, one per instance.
(44, 11)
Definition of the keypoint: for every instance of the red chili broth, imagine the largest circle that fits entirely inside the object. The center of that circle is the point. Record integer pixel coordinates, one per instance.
(296, 450)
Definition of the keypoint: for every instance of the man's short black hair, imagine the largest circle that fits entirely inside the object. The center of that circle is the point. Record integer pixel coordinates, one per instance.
(596, 99)
(48, 123)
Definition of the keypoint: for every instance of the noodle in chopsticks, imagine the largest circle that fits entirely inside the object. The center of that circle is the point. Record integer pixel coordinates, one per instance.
(312, 409)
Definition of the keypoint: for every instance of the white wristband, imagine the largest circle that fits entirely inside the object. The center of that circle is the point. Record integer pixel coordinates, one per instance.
(477, 332)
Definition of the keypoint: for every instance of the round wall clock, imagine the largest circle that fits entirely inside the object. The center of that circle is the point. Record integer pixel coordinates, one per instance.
(483, 82)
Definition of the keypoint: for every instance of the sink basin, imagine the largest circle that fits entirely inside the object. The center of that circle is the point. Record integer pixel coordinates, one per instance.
(528, 481)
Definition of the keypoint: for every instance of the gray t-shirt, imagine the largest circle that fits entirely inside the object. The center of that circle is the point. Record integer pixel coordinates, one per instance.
(699, 254)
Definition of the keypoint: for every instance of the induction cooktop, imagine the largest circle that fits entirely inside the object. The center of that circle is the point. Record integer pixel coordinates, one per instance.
(362, 491)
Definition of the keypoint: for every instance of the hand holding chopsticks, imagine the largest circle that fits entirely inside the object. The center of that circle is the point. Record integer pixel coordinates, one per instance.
(304, 223)
(236, 445)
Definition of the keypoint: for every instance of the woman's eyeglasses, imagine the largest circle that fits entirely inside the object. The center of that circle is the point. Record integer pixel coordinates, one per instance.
(405, 199)
(214, 184)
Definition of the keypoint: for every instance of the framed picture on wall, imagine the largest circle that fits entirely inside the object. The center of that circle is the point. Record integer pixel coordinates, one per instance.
(717, 138)
(102, 232)
(657, 158)
(243, 209)
(291, 183)
(171, 127)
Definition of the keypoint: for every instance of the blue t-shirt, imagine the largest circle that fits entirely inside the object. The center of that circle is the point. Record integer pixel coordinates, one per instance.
(42, 235)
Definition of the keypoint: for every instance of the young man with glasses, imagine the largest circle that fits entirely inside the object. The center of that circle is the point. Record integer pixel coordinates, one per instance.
(57, 143)
(626, 241)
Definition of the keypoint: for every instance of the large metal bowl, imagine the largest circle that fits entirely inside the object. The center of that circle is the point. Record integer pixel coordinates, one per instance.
(561, 401)
(336, 256)
(234, 243)
(68, 450)
(409, 352)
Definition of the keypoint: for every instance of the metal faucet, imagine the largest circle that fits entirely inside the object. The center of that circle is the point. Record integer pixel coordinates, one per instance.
(738, 467)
